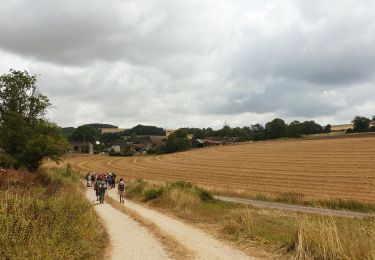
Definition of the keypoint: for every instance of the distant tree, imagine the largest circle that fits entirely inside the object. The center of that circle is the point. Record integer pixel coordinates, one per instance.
(310, 127)
(295, 129)
(108, 138)
(99, 125)
(225, 131)
(276, 128)
(145, 130)
(257, 132)
(24, 134)
(360, 123)
(241, 133)
(67, 132)
(86, 133)
(177, 141)
(209, 132)
(327, 129)
(199, 134)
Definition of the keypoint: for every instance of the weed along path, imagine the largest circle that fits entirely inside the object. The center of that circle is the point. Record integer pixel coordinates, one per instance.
(129, 240)
(201, 244)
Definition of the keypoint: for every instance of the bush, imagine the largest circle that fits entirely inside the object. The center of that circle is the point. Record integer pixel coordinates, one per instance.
(136, 188)
(6, 160)
(153, 193)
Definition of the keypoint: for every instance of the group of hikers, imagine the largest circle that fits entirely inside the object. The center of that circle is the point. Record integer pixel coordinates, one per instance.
(104, 181)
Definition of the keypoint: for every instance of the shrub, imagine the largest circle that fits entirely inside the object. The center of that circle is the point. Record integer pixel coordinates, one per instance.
(136, 188)
(153, 193)
(241, 222)
(6, 160)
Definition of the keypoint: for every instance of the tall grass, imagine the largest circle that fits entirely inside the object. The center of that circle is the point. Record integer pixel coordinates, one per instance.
(181, 195)
(44, 216)
(287, 234)
(330, 238)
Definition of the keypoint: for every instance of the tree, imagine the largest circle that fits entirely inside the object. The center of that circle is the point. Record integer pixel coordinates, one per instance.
(276, 128)
(24, 134)
(327, 129)
(295, 129)
(86, 133)
(109, 138)
(310, 127)
(177, 141)
(360, 123)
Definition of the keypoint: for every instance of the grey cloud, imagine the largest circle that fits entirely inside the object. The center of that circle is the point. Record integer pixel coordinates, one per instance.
(174, 63)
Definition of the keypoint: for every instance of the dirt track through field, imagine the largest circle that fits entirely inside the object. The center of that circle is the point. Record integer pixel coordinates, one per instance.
(318, 169)
(129, 240)
(201, 244)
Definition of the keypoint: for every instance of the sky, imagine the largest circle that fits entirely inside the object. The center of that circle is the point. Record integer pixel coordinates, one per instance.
(197, 63)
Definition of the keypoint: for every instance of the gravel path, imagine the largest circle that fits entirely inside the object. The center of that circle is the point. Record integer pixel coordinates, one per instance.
(128, 239)
(203, 245)
(303, 209)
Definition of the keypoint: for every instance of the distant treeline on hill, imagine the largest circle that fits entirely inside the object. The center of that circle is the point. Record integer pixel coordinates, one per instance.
(277, 128)
(144, 130)
(98, 125)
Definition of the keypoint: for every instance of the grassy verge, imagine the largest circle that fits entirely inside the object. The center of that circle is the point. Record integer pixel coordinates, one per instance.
(283, 234)
(299, 199)
(43, 216)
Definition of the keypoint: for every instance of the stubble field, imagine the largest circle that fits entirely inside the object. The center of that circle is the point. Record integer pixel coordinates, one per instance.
(318, 169)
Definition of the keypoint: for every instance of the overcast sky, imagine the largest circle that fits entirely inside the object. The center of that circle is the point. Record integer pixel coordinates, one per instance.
(195, 63)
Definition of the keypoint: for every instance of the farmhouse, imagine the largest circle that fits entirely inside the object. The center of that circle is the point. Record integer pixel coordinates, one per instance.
(205, 143)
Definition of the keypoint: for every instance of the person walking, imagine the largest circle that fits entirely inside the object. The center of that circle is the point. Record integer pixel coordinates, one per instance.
(102, 189)
(96, 188)
(121, 190)
(114, 179)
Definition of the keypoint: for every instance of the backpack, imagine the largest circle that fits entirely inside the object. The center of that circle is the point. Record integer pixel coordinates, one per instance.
(121, 186)
(103, 185)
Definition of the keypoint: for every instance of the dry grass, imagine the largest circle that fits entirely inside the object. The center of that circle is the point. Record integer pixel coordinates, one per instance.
(281, 234)
(317, 169)
(43, 216)
(329, 238)
(175, 249)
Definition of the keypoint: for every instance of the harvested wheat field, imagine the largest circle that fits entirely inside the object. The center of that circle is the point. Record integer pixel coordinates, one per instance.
(318, 169)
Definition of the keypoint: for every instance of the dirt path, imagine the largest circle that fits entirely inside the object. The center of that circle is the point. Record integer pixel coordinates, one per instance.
(203, 245)
(128, 239)
(303, 209)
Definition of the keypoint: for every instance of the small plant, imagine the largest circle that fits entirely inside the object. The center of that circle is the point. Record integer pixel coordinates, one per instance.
(290, 197)
(153, 193)
(68, 170)
(136, 187)
(6, 160)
